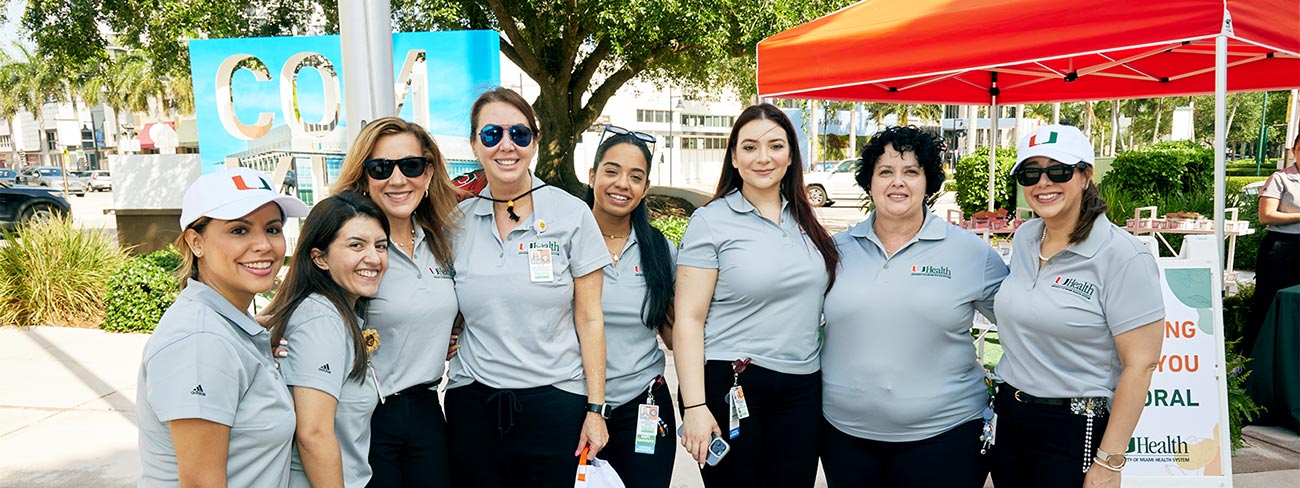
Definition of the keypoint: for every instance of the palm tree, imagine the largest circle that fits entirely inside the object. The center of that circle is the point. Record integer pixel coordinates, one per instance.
(36, 83)
(10, 101)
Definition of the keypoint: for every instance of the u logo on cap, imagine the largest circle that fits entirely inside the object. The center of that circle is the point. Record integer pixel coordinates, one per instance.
(241, 185)
(1051, 139)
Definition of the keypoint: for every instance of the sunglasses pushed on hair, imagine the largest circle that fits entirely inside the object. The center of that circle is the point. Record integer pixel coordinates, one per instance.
(1058, 173)
(619, 131)
(381, 169)
(491, 135)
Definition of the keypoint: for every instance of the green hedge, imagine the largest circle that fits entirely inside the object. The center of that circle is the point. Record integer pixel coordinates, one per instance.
(141, 291)
(972, 181)
(1163, 168)
(672, 227)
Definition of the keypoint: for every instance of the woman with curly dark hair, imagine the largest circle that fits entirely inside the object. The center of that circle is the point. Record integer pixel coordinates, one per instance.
(896, 408)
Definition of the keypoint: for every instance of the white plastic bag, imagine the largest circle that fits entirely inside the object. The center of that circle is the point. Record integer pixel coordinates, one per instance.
(597, 474)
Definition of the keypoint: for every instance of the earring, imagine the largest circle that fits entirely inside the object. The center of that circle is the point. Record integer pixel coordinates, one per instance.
(198, 254)
(426, 193)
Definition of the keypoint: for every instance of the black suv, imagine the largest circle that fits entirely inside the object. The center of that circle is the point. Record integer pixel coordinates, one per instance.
(19, 204)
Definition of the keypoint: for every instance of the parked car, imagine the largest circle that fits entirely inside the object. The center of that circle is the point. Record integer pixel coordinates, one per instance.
(100, 180)
(52, 177)
(7, 175)
(825, 187)
(20, 204)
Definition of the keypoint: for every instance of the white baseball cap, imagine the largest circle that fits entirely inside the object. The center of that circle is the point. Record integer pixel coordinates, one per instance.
(1063, 143)
(233, 193)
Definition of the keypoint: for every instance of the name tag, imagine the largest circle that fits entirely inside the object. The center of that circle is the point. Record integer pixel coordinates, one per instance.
(541, 268)
(647, 428)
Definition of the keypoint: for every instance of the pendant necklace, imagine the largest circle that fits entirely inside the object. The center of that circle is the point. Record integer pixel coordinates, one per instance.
(510, 202)
(615, 255)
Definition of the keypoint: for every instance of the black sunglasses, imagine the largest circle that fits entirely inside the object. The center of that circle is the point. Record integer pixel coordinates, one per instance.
(381, 169)
(1058, 173)
(619, 131)
(490, 135)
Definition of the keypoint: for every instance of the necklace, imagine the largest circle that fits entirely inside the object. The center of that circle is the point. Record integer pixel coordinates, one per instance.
(510, 202)
(612, 236)
(1040, 245)
(412, 245)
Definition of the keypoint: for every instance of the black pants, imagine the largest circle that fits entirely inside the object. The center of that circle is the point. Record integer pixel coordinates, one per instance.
(642, 470)
(408, 441)
(779, 440)
(951, 459)
(1042, 445)
(1276, 267)
(510, 438)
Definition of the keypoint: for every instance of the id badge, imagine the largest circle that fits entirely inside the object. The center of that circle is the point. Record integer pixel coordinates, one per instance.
(738, 399)
(540, 267)
(647, 428)
(993, 430)
(734, 427)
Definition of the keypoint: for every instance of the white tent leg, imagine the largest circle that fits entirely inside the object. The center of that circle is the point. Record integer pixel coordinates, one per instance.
(993, 147)
(1220, 136)
(366, 38)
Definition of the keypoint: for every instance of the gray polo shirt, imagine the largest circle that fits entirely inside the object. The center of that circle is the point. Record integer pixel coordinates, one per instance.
(634, 357)
(1284, 185)
(898, 364)
(321, 359)
(413, 313)
(767, 303)
(1057, 324)
(208, 360)
(520, 334)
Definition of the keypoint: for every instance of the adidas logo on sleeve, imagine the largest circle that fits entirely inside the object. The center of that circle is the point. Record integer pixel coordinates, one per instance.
(198, 391)
(324, 368)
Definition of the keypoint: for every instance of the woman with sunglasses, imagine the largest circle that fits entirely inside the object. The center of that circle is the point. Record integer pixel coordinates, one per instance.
(212, 407)
(526, 392)
(1081, 320)
(340, 259)
(752, 272)
(637, 302)
(902, 391)
(399, 167)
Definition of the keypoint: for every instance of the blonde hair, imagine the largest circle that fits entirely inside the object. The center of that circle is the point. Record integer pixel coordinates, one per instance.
(436, 212)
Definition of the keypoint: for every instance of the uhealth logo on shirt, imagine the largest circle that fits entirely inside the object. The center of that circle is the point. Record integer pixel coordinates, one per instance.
(934, 271)
(1076, 286)
(524, 247)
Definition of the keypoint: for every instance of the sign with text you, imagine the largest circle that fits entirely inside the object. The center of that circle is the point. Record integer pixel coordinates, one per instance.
(262, 95)
(1182, 437)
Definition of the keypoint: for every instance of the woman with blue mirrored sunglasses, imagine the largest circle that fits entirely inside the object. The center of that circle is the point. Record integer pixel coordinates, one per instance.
(521, 135)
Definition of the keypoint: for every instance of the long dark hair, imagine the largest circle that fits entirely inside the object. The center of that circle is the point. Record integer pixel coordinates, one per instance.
(305, 278)
(1090, 208)
(792, 187)
(656, 262)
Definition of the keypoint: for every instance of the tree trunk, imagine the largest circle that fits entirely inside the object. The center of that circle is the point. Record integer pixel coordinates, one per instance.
(13, 143)
(972, 118)
(1056, 113)
(555, 160)
(1160, 110)
(1114, 126)
(853, 131)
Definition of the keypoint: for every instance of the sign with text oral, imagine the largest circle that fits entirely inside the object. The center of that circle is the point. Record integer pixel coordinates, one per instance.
(1181, 439)
(263, 98)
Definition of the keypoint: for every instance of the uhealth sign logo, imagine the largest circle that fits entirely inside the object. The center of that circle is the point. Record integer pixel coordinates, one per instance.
(285, 93)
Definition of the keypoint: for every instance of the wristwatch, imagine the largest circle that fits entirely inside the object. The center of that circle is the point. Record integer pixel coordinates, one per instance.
(603, 409)
(1115, 462)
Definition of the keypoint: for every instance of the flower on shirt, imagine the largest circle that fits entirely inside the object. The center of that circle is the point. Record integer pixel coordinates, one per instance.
(370, 337)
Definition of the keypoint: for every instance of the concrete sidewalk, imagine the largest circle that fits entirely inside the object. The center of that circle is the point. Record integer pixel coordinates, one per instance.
(67, 416)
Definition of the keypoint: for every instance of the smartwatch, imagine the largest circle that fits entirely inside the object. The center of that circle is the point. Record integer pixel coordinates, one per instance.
(603, 409)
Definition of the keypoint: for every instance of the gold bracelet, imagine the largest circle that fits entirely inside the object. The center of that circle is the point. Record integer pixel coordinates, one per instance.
(1097, 460)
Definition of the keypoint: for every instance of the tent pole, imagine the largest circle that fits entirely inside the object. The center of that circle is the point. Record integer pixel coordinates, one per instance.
(993, 138)
(1220, 128)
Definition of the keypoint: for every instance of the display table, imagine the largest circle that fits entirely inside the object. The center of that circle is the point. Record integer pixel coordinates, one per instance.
(1274, 381)
(1181, 224)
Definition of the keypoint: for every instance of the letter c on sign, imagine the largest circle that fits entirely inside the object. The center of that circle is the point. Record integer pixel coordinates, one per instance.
(226, 104)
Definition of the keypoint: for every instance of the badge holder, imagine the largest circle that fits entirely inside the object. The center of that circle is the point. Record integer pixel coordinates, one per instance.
(649, 425)
(988, 435)
(737, 408)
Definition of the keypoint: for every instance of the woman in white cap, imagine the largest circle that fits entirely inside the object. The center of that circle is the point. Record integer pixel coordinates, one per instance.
(1080, 320)
(526, 392)
(398, 166)
(753, 269)
(320, 308)
(212, 407)
(902, 391)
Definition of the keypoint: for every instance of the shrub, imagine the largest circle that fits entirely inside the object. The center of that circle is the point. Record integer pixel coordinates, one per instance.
(139, 294)
(1241, 407)
(56, 274)
(1236, 310)
(1235, 183)
(672, 227)
(167, 259)
(972, 181)
(1163, 169)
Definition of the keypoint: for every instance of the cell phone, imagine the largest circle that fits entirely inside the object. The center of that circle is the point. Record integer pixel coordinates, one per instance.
(717, 449)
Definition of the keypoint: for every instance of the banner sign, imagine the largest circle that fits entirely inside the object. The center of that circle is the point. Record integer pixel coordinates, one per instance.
(267, 97)
(1182, 437)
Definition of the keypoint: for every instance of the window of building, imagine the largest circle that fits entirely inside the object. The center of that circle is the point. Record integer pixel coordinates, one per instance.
(654, 116)
(6, 141)
(51, 140)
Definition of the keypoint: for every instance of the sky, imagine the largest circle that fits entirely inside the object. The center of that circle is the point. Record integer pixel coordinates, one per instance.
(9, 28)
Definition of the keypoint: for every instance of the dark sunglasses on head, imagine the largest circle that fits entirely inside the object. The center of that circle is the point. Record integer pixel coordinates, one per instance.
(381, 169)
(618, 131)
(1058, 173)
(490, 135)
